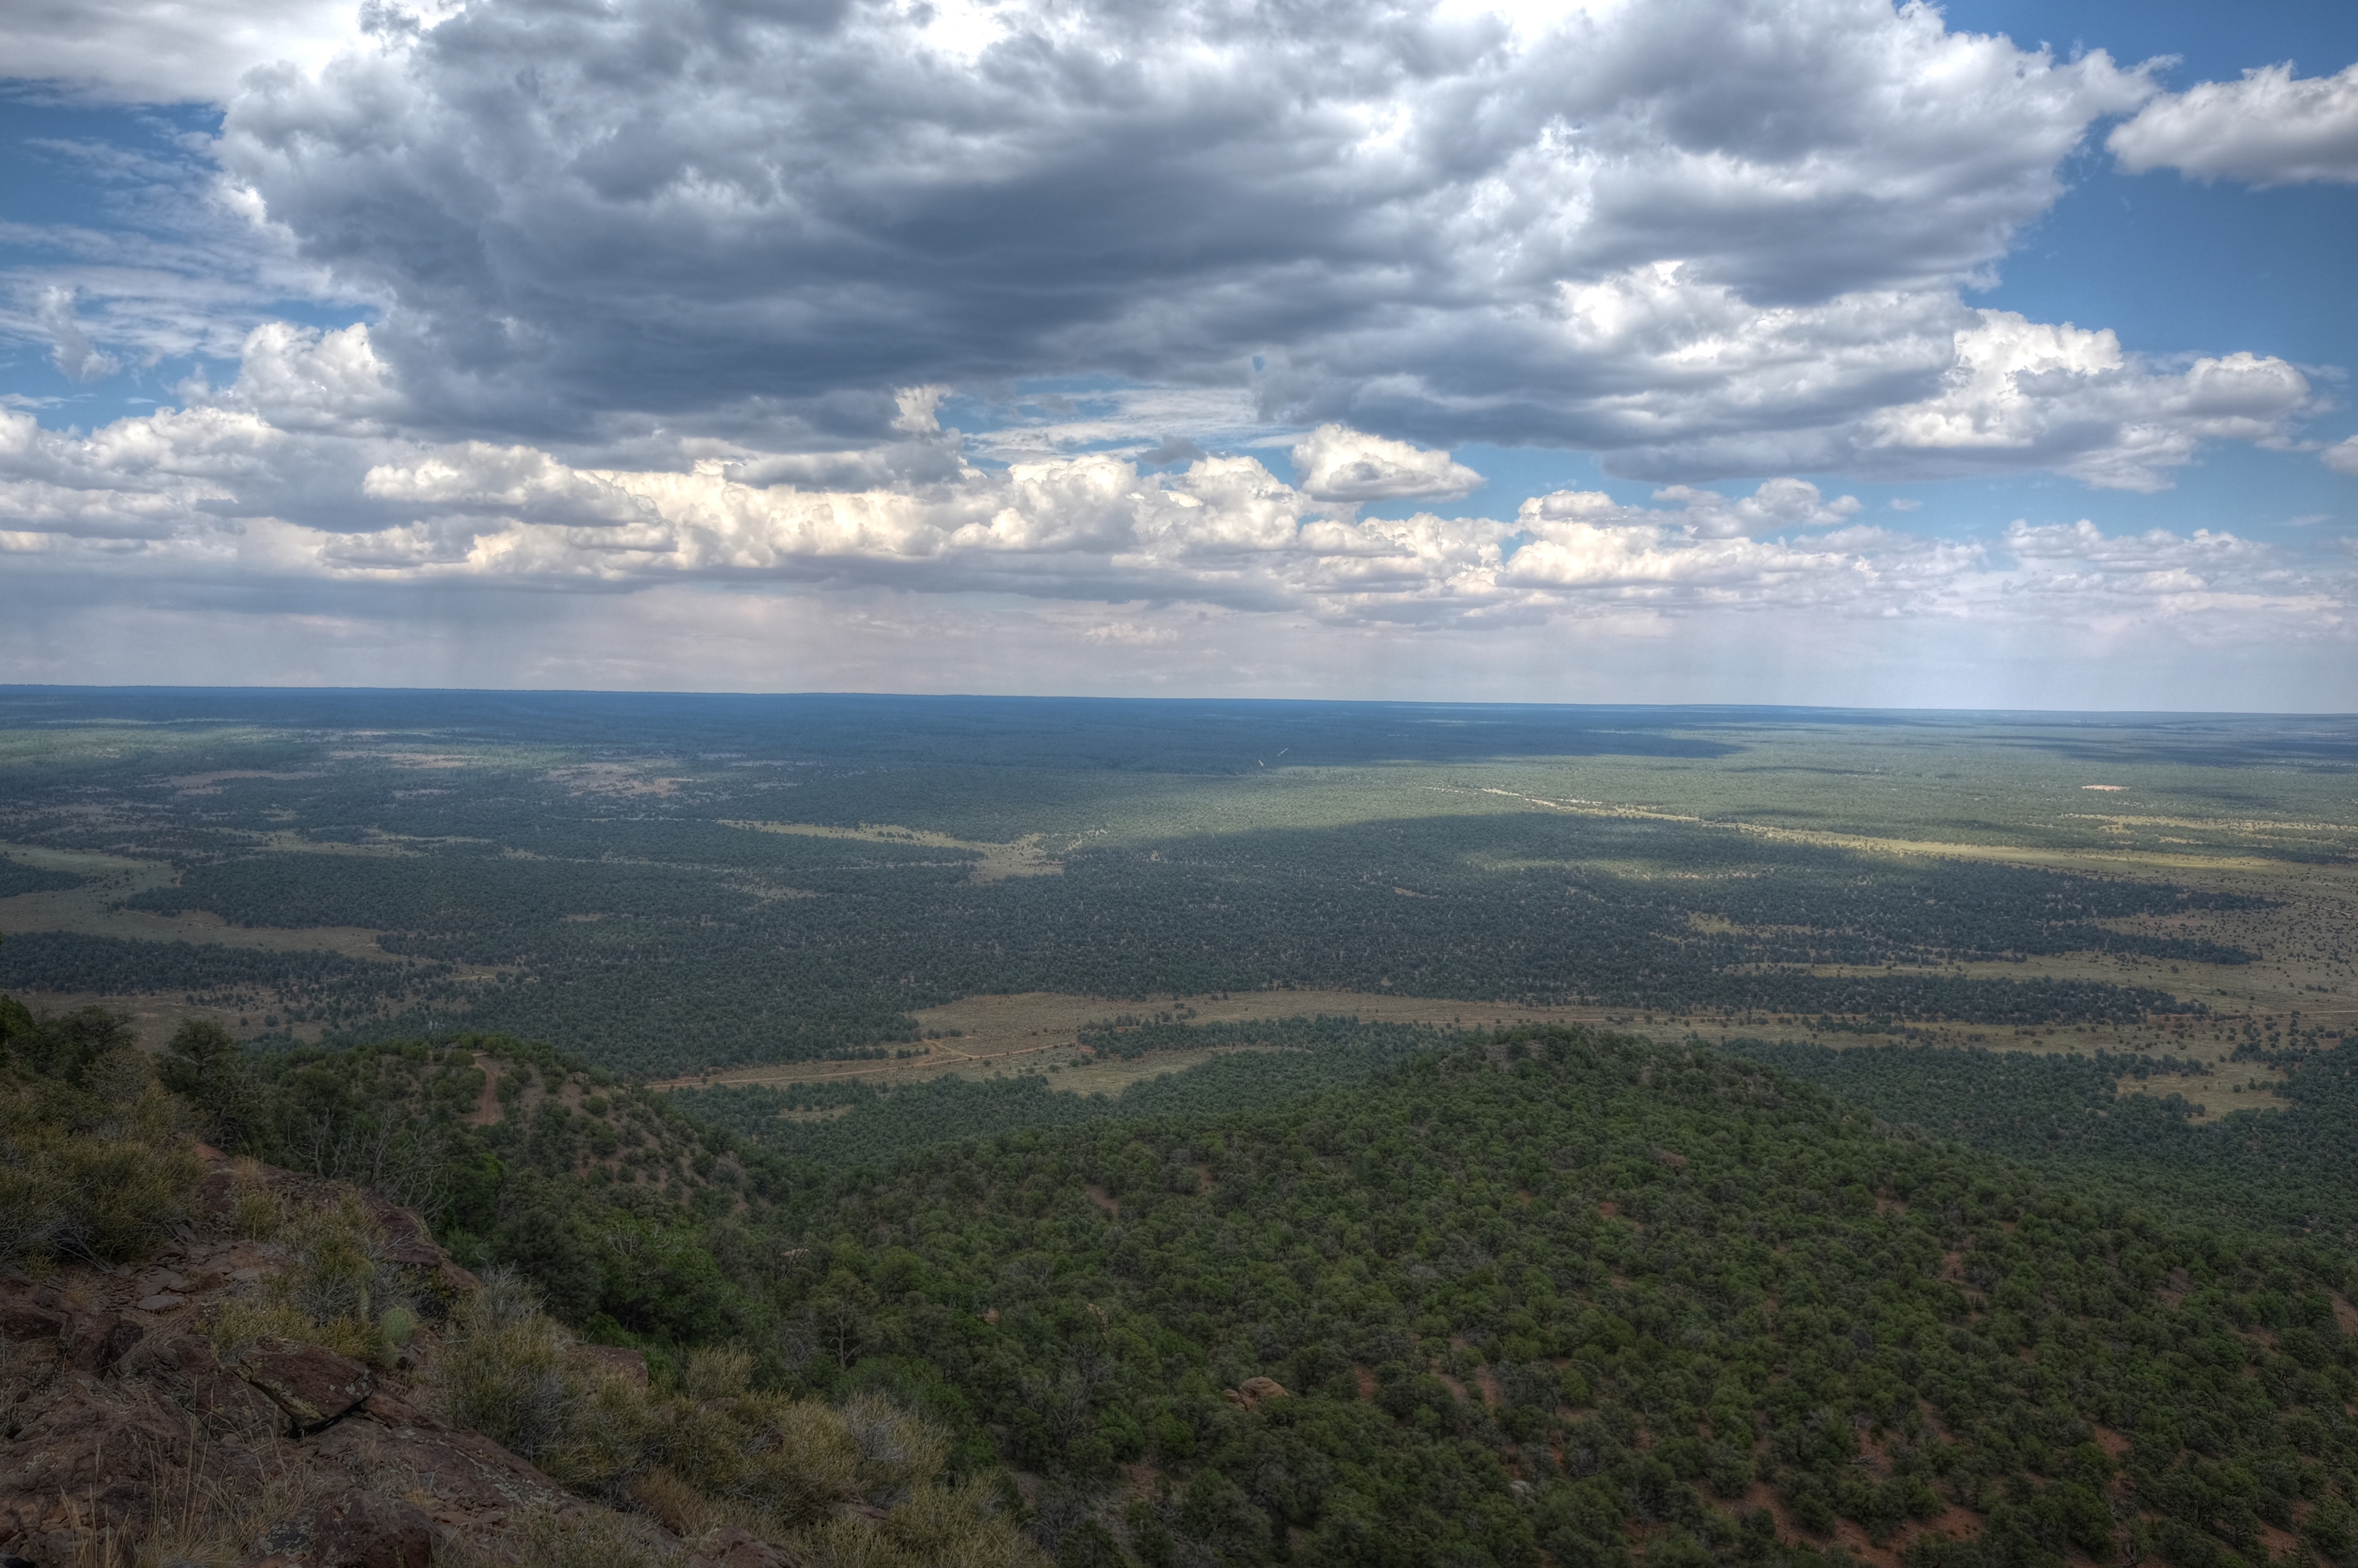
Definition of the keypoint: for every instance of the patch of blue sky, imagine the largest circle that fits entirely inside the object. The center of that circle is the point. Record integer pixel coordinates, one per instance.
(111, 202)
(2175, 265)
(2277, 497)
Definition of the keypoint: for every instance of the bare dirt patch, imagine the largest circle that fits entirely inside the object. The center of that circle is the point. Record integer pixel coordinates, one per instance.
(611, 778)
(1034, 1031)
(209, 784)
(435, 760)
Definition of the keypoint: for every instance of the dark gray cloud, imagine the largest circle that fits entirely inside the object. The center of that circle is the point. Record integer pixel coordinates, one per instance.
(1606, 226)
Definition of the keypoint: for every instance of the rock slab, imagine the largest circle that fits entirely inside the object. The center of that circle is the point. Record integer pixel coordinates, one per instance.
(312, 1384)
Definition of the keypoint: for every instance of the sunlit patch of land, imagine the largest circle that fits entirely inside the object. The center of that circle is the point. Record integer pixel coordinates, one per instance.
(1025, 857)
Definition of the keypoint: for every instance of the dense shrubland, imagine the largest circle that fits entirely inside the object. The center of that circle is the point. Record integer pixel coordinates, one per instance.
(98, 1162)
(93, 1156)
(657, 945)
(630, 915)
(2289, 1168)
(1539, 1291)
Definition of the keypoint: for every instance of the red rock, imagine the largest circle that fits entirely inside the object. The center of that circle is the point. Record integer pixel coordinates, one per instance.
(95, 1343)
(362, 1530)
(311, 1383)
(183, 1368)
(359, 1529)
(460, 1474)
(23, 1320)
(397, 1413)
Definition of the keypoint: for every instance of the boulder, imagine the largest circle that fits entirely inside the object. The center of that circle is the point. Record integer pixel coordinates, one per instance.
(95, 1342)
(1253, 1390)
(398, 1412)
(464, 1479)
(23, 1319)
(358, 1528)
(311, 1383)
(183, 1368)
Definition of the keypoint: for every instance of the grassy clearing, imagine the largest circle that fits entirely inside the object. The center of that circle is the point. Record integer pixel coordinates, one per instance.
(1026, 857)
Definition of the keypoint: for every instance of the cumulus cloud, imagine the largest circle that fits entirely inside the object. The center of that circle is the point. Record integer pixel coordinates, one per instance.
(312, 379)
(2343, 456)
(1776, 506)
(2012, 394)
(292, 477)
(141, 51)
(2078, 577)
(1703, 238)
(1612, 226)
(2269, 128)
(2023, 394)
(1335, 462)
(669, 294)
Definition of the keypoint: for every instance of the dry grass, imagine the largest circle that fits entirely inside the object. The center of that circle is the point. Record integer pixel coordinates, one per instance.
(1025, 857)
(335, 1289)
(1036, 1030)
(504, 1370)
(860, 1483)
(95, 1171)
(585, 1538)
(199, 1519)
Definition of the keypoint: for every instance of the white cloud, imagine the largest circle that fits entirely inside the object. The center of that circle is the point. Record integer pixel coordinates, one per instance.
(1961, 391)
(153, 260)
(1701, 238)
(311, 378)
(2343, 456)
(2269, 128)
(1779, 505)
(2023, 394)
(1335, 462)
(142, 51)
(336, 551)
(292, 483)
(2209, 587)
(71, 349)
(1610, 226)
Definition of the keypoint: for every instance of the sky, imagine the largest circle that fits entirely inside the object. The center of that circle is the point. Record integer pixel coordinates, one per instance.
(1817, 351)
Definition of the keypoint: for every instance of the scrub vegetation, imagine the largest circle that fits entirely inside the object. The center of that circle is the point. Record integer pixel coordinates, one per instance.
(1930, 1161)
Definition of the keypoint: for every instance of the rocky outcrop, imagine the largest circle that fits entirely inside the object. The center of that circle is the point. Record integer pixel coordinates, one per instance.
(116, 1405)
(310, 1382)
(1253, 1391)
(358, 1529)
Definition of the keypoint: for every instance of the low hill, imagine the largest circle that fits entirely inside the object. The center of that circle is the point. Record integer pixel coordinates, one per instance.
(1540, 1297)
(209, 1360)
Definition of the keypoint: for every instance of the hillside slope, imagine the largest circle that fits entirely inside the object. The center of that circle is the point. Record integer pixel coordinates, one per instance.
(1541, 1296)
(211, 1360)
